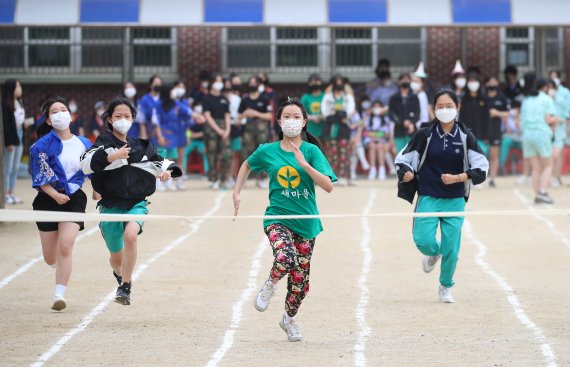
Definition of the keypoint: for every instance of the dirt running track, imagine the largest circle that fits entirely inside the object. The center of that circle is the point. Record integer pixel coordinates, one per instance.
(192, 305)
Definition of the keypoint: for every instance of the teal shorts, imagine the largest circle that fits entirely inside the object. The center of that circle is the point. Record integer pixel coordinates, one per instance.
(171, 153)
(236, 144)
(113, 232)
(401, 142)
(537, 144)
(559, 136)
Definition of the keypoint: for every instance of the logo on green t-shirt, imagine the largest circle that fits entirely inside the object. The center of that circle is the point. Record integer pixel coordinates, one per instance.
(288, 177)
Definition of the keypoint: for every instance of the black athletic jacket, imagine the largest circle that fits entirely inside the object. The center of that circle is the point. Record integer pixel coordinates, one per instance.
(124, 183)
(412, 157)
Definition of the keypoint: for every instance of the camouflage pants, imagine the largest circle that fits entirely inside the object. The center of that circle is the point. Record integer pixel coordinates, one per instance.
(255, 132)
(218, 152)
(338, 154)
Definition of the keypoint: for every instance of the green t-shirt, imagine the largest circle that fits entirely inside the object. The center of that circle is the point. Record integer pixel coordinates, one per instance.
(533, 113)
(312, 104)
(291, 189)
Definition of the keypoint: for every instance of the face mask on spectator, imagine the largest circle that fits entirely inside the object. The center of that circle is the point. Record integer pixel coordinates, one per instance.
(218, 86)
(416, 86)
(60, 120)
(198, 109)
(446, 115)
(405, 85)
(473, 86)
(156, 88)
(556, 81)
(377, 111)
(252, 88)
(130, 92)
(205, 85)
(365, 105)
(72, 108)
(460, 82)
(339, 87)
(261, 88)
(552, 92)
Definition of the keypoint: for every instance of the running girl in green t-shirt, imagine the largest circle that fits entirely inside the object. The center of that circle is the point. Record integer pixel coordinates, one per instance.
(294, 167)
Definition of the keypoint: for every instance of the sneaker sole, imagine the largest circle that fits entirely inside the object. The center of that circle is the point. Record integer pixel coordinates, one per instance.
(257, 307)
(446, 300)
(291, 339)
(59, 305)
(123, 301)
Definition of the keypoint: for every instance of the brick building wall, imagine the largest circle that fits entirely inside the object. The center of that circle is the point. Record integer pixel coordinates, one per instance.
(483, 45)
(443, 48)
(199, 48)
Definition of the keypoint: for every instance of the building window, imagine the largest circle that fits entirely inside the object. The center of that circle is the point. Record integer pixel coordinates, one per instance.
(102, 47)
(11, 48)
(518, 46)
(352, 47)
(553, 51)
(404, 47)
(247, 48)
(152, 46)
(297, 47)
(49, 47)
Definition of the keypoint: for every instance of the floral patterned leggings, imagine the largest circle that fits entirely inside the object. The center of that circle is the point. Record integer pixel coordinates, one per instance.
(292, 256)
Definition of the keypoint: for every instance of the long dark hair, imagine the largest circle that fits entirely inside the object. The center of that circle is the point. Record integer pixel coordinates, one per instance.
(166, 101)
(8, 89)
(295, 102)
(530, 87)
(44, 128)
(117, 101)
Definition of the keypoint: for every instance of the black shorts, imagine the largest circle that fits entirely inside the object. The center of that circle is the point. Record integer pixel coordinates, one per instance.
(76, 204)
(495, 134)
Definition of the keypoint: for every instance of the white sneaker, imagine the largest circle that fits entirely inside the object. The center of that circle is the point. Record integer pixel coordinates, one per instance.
(382, 173)
(228, 184)
(522, 180)
(160, 186)
(170, 185)
(341, 181)
(261, 302)
(16, 199)
(292, 329)
(180, 185)
(262, 184)
(9, 200)
(215, 185)
(372, 173)
(429, 263)
(58, 303)
(392, 169)
(445, 295)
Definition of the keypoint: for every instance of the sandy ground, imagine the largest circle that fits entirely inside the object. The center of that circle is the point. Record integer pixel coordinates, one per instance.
(190, 301)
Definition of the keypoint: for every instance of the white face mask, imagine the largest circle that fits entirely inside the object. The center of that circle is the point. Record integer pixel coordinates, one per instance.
(416, 86)
(122, 126)
(261, 88)
(181, 92)
(377, 111)
(365, 105)
(205, 85)
(198, 109)
(130, 92)
(460, 83)
(473, 86)
(218, 86)
(521, 82)
(557, 81)
(72, 108)
(60, 120)
(552, 92)
(446, 115)
(292, 127)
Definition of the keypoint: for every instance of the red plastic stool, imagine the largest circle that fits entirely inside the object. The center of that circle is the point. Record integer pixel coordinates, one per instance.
(195, 163)
(566, 160)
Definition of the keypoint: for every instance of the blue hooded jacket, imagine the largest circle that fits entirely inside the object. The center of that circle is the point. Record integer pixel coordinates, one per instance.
(46, 167)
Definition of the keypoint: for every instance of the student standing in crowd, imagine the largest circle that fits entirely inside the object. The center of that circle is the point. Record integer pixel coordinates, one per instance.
(174, 117)
(232, 93)
(338, 108)
(199, 92)
(499, 108)
(116, 161)
(378, 137)
(383, 87)
(96, 125)
(148, 107)
(76, 126)
(459, 82)
(57, 175)
(418, 86)
(217, 134)
(538, 118)
(562, 101)
(475, 111)
(404, 112)
(255, 112)
(13, 117)
(295, 167)
(196, 141)
(138, 130)
(312, 102)
(438, 164)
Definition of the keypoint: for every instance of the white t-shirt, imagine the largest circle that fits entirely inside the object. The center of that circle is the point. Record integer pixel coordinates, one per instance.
(69, 159)
(19, 115)
(235, 101)
(424, 107)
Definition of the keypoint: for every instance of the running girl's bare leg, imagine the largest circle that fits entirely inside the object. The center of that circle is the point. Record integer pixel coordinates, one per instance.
(129, 259)
(67, 234)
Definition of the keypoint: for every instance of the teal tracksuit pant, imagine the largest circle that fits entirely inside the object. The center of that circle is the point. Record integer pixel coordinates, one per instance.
(425, 230)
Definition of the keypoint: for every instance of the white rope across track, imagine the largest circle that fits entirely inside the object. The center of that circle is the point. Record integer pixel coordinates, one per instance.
(11, 215)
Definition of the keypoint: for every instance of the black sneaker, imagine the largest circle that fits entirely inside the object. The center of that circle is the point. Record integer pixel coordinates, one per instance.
(124, 294)
(118, 277)
(543, 198)
(492, 184)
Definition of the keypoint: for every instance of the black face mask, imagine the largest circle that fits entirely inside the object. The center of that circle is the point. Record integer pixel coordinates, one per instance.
(252, 88)
(156, 88)
(493, 89)
(315, 87)
(338, 87)
(405, 85)
(236, 87)
(383, 74)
